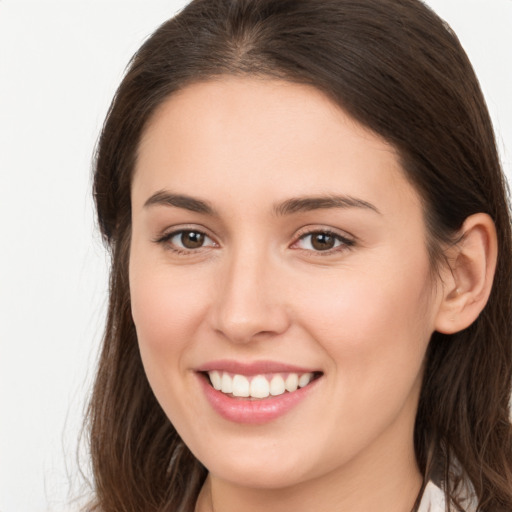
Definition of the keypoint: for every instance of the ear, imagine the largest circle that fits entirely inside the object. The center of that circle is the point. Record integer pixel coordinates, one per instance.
(467, 282)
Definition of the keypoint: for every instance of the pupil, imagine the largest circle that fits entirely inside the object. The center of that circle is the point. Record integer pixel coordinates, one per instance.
(192, 239)
(322, 241)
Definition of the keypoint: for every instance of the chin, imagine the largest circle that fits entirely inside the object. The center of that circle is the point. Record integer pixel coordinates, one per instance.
(262, 476)
(262, 466)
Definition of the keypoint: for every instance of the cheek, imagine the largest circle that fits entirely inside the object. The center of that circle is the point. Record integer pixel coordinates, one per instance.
(155, 311)
(374, 332)
(167, 309)
(374, 325)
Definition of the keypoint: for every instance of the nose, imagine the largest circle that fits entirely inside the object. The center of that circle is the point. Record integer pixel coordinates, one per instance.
(249, 301)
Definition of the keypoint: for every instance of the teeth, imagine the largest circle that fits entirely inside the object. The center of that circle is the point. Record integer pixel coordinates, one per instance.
(305, 379)
(216, 380)
(226, 383)
(277, 385)
(241, 386)
(259, 386)
(292, 382)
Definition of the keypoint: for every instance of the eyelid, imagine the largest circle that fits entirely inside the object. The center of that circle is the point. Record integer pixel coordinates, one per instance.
(348, 240)
(165, 237)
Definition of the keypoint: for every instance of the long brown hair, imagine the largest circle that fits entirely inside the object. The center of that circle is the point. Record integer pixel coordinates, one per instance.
(399, 70)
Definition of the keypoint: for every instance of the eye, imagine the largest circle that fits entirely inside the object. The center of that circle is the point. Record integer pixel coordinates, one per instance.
(186, 240)
(323, 241)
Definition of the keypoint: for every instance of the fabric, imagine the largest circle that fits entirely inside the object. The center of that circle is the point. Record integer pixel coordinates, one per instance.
(433, 499)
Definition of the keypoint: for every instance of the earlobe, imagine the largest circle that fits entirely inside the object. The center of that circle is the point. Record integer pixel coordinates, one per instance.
(469, 278)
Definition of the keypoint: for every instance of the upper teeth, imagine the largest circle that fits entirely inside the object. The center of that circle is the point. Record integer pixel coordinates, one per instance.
(258, 386)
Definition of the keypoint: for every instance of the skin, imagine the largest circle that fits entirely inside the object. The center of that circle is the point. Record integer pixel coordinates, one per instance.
(362, 313)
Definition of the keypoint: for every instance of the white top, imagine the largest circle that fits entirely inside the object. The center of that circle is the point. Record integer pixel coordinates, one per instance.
(433, 499)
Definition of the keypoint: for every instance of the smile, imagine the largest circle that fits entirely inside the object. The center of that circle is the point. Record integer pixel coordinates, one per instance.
(258, 392)
(258, 386)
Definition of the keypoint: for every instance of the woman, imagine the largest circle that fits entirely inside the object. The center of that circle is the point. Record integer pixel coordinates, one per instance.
(310, 292)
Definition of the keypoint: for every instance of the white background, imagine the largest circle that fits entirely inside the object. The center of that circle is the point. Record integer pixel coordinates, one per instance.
(60, 63)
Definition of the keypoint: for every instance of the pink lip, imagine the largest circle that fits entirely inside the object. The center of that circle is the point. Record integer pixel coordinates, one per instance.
(253, 368)
(250, 411)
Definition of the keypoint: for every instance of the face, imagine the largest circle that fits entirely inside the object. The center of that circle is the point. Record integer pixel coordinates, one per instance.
(280, 282)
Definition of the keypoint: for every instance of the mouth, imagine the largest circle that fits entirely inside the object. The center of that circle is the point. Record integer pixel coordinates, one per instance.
(260, 386)
(256, 392)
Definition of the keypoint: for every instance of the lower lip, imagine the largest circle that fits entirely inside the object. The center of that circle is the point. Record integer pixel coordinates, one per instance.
(240, 410)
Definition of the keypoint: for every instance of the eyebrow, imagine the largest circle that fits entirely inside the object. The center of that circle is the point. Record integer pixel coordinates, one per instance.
(305, 204)
(288, 207)
(192, 204)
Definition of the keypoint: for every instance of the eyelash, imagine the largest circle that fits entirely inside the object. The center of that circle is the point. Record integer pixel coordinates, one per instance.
(166, 241)
(344, 242)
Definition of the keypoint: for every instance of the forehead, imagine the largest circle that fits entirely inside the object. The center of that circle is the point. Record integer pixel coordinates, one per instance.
(259, 138)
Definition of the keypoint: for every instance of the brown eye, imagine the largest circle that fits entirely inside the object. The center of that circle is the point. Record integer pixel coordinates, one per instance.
(192, 239)
(186, 240)
(322, 241)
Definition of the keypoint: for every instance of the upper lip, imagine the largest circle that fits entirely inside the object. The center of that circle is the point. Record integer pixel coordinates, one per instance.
(253, 367)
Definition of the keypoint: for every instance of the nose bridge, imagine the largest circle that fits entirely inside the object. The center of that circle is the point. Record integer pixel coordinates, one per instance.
(246, 303)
